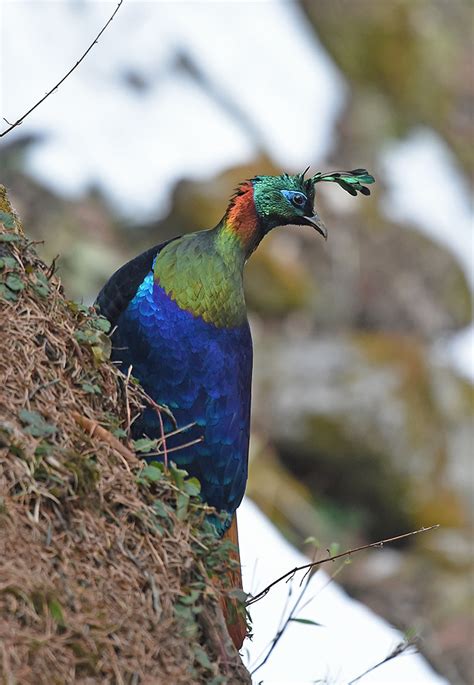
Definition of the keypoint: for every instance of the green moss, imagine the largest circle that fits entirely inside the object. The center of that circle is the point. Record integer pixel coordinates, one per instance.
(84, 471)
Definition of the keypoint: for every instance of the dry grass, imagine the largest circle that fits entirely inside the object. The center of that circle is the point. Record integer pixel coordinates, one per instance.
(104, 574)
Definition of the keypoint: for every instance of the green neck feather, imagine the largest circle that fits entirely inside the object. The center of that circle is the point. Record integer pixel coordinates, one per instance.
(203, 273)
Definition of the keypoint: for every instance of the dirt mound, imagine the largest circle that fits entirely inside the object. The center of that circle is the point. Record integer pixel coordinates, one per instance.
(105, 563)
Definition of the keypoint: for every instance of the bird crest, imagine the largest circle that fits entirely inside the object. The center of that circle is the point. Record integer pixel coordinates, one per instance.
(350, 181)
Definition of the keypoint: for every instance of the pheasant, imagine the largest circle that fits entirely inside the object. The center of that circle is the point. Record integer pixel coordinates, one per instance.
(180, 321)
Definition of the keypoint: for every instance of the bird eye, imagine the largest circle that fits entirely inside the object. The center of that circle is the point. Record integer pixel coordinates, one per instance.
(298, 199)
(295, 198)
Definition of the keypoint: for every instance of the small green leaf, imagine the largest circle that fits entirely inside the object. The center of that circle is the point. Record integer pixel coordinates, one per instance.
(178, 475)
(151, 473)
(36, 425)
(159, 465)
(191, 598)
(182, 503)
(41, 284)
(144, 445)
(87, 336)
(192, 487)
(6, 294)
(102, 352)
(14, 282)
(161, 509)
(77, 307)
(40, 289)
(410, 634)
(102, 324)
(307, 622)
(43, 449)
(220, 680)
(184, 612)
(8, 263)
(41, 277)
(202, 658)
(91, 388)
(119, 432)
(56, 612)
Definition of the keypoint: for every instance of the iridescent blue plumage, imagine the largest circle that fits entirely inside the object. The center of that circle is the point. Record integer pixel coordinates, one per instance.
(203, 374)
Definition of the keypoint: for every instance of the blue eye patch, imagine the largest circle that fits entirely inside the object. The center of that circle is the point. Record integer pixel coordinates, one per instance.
(295, 198)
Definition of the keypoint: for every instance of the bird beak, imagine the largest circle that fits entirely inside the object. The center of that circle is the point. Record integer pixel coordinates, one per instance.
(316, 222)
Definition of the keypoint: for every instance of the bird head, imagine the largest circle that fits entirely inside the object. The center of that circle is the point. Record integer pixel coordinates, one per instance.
(283, 200)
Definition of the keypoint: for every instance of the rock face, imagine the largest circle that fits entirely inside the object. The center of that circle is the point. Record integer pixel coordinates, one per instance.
(367, 419)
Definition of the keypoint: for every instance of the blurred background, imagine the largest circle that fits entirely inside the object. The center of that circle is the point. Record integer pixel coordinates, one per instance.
(364, 348)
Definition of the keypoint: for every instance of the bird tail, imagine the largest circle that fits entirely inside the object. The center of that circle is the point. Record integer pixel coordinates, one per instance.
(234, 618)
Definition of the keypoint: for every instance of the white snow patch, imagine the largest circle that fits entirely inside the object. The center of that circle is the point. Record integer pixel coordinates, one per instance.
(351, 638)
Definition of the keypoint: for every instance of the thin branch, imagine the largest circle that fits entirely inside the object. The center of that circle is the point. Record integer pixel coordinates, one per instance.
(163, 439)
(312, 564)
(154, 405)
(127, 399)
(401, 648)
(290, 617)
(191, 443)
(271, 645)
(96, 40)
(182, 429)
(42, 387)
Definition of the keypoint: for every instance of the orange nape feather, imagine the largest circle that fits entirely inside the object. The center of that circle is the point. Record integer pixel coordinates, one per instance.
(241, 217)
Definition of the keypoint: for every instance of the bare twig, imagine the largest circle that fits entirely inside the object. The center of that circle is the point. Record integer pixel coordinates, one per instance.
(162, 453)
(401, 648)
(163, 439)
(158, 407)
(43, 386)
(127, 401)
(96, 40)
(52, 267)
(312, 564)
(182, 429)
(283, 625)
